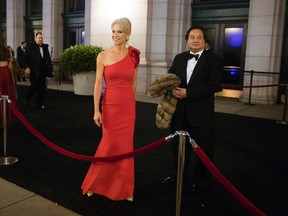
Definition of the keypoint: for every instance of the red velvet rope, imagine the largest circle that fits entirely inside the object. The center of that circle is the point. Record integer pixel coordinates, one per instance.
(226, 184)
(78, 156)
(210, 166)
(256, 86)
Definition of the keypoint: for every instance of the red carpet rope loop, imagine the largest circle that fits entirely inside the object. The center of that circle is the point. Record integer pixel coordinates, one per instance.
(78, 156)
(198, 151)
(225, 183)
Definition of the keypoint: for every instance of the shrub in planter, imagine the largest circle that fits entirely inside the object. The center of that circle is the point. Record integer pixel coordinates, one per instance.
(79, 58)
(79, 61)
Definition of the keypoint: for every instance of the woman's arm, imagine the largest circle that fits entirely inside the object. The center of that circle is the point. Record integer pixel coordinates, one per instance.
(98, 89)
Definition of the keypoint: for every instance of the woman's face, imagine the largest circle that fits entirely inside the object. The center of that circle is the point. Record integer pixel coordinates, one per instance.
(118, 36)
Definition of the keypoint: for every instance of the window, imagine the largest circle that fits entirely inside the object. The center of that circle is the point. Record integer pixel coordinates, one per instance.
(3, 10)
(33, 7)
(74, 5)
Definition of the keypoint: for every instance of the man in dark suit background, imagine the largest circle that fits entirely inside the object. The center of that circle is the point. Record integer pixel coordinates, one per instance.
(21, 54)
(21, 58)
(200, 72)
(39, 66)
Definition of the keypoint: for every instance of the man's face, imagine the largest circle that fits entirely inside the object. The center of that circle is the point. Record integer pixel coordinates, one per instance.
(39, 39)
(196, 40)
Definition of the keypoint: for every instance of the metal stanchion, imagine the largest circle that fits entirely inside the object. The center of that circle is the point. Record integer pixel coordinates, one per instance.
(181, 160)
(284, 122)
(250, 89)
(5, 160)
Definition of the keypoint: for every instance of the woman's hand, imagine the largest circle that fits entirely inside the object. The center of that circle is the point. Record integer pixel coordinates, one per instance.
(97, 118)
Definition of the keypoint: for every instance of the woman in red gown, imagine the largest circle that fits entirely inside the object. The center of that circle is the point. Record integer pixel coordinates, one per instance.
(118, 65)
(7, 80)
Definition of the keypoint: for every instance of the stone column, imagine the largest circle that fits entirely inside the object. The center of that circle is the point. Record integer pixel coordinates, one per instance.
(168, 22)
(15, 23)
(264, 47)
(53, 26)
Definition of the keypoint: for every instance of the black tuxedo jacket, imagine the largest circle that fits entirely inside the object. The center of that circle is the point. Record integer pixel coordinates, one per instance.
(39, 66)
(198, 108)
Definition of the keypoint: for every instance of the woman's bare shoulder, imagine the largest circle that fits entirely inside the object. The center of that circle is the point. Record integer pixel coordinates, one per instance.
(105, 53)
(107, 56)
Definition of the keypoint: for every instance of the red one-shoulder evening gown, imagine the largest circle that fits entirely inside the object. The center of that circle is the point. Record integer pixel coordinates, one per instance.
(115, 180)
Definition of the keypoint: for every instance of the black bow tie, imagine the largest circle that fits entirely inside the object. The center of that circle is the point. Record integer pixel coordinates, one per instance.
(192, 55)
(40, 45)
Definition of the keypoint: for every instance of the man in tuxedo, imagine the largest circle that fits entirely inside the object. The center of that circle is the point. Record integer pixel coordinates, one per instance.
(21, 56)
(200, 72)
(39, 66)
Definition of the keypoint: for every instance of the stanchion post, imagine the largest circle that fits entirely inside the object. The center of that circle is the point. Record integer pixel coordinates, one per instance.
(5, 160)
(180, 169)
(250, 89)
(284, 122)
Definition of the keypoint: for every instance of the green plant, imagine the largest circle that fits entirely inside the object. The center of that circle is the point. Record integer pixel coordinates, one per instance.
(79, 58)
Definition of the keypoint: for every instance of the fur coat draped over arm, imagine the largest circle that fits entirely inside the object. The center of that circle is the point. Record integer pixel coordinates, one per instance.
(163, 86)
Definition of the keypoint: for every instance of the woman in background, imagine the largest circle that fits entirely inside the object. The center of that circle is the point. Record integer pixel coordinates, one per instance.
(118, 65)
(7, 79)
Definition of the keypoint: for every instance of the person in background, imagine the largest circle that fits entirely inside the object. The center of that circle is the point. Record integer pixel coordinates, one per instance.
(207, 45)
(15, 70)
(7, 79)
(39, 66)
(118, 65)
(200, 72)
(21, 56)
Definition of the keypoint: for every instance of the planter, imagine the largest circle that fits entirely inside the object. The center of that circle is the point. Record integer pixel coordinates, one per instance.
(83, 83)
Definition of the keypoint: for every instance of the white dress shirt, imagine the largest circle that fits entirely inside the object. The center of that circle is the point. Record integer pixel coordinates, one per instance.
(191, 65)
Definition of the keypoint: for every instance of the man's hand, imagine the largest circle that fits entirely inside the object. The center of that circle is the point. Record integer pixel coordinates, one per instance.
(27, 72)
(179, 93)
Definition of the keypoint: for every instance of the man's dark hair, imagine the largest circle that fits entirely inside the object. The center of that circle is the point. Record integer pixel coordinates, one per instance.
(196, 27)
(37, 33)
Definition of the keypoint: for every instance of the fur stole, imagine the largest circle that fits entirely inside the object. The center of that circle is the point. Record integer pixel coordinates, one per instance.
(163, 86)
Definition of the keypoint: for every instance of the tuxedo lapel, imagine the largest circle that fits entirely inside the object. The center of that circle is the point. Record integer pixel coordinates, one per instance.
(184, 61)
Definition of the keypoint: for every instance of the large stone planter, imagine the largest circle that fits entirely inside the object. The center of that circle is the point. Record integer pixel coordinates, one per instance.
(83, 83)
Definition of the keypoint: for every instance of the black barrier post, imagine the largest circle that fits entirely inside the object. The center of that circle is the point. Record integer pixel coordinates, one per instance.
(284, 122)
(250, 89)
(5, 160)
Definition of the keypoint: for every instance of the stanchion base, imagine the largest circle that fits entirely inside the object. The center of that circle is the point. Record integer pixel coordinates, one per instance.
(282, 122)
(8, 160)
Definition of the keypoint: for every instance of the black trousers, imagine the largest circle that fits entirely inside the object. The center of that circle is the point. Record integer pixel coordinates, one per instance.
(195, 171)
(38, 87)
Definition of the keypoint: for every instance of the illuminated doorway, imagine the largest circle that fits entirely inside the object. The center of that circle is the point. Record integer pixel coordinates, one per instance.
(233, 62)
(229, 42)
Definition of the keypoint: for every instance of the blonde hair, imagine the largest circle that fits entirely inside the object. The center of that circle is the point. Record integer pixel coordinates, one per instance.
(124, 23)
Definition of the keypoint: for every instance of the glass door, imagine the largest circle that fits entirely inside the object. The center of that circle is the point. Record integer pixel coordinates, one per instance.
(229, 41)
(74, 36)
